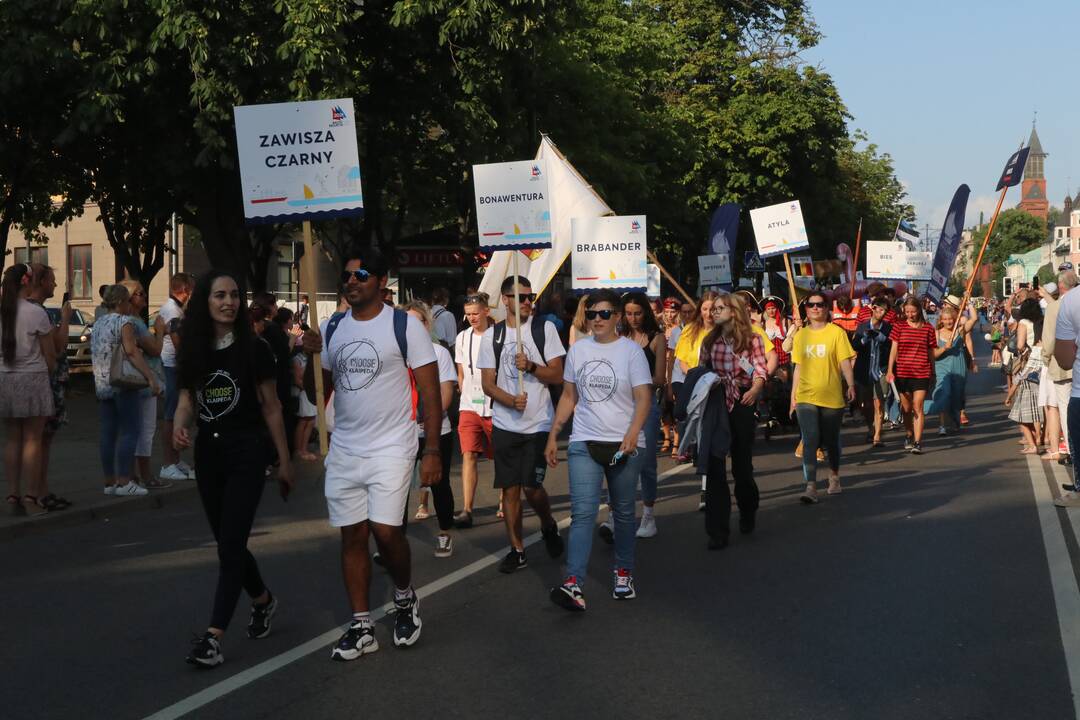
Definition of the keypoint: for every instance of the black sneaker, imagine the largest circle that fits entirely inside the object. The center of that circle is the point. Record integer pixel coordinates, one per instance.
(908, 444)
(552, 540)
(623, 588)
(358, 640)
(407, 625)
(747, 522)
(916, 449)
(606, 533)
(259, 624)
(514, 560)
(568, 595)
(463, 520)
(207, 652)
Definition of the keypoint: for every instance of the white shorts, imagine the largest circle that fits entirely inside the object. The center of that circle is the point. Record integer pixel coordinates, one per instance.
(147, 425)
(1044, 398)
(1058, 394)
(359, 489)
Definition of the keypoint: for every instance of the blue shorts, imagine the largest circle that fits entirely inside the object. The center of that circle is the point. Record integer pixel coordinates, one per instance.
(172, 393)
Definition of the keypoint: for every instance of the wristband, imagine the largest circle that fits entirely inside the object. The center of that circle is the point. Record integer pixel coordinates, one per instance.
(430, 451)
(531, 370)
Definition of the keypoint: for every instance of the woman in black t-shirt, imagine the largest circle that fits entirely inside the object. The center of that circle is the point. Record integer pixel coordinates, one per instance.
(227, 379)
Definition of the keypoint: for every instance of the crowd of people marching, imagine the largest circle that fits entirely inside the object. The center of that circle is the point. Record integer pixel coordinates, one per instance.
(622, 380)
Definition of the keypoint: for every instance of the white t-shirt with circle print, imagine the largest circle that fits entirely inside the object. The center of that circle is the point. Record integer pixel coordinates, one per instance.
(605, 375)
(538, 412)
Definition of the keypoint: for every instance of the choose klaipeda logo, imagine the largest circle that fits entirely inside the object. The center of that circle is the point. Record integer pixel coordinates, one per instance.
(219, 396)
(508, 361)
(358, 364)
(596, 381)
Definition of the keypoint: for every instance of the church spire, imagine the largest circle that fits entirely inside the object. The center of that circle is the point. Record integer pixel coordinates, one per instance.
(1034, 167)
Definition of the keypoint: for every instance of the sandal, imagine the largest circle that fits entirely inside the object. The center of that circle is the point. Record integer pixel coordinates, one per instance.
(14, 506)
(53, 502)
(422, 513)
(500, 514)
(1050, 456)
(32, 506)
(1029, 450)
(665, 449)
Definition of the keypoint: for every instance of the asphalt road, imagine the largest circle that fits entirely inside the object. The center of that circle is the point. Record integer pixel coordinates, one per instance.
(940, 586)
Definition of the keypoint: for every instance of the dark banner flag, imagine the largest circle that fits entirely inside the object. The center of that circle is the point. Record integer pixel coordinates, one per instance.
(724, 231)
(949, 243)
(1014, 169)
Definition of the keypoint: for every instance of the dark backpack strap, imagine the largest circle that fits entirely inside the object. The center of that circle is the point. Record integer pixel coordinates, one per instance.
(401, 326)
(539, 336)
(331, 326)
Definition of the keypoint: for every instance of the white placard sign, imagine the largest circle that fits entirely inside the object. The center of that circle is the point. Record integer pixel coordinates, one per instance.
(512, 207)
(779, 229)
(888, 260)
(652, 288)
(714, 270)
(609, 252)
(298, 160)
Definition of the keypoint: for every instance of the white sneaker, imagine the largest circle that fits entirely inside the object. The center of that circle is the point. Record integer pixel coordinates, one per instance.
(131, 489)
(173, 473)
(647, 529)
(110, 489)
(1069, 499)
(186, 469)
(942, 430)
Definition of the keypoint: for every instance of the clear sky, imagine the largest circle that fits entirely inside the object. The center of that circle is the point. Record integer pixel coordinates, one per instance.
(949, 88)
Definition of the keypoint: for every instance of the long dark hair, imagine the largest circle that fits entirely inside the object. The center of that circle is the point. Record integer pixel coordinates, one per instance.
(1031, 310)
(14, 278)
(649, 326)
(197, 336)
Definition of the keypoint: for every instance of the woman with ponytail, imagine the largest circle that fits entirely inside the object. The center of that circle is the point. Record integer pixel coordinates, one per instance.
(27, 356)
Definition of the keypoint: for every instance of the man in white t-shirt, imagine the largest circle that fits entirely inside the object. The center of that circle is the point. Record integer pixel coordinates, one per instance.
(372, 450)
(171, 314)
(444, 326)
(474, 416)
(521, 417)
(1066, 335)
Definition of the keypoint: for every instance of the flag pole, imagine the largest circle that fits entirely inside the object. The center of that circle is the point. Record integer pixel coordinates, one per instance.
(978, 262)
(855, 266)
(673, 281)
(517, 317)
(311, 286)
(791, 284)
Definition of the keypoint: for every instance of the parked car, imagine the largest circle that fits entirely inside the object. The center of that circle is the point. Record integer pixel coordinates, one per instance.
(78, 349)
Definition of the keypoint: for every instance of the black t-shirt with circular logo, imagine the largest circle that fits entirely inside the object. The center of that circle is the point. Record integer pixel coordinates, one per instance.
(227, 402)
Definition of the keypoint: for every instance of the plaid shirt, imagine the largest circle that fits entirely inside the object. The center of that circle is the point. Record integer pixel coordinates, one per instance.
(725, 363)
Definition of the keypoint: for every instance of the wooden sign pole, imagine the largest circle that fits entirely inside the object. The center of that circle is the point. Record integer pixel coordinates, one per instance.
(308, 279)
(855, 265)
(673, 281)
(517, 316)
(978, 262)
(791, 285)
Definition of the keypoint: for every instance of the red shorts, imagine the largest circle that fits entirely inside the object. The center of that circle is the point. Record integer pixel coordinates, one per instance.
(474, 433)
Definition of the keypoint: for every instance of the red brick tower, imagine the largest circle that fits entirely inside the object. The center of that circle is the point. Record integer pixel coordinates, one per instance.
(1033, 192)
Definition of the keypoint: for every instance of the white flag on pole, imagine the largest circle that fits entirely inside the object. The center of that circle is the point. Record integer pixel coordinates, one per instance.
(569, 197)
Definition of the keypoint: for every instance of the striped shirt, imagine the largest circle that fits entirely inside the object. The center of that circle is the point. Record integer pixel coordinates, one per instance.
(866, 310)
(914, 346)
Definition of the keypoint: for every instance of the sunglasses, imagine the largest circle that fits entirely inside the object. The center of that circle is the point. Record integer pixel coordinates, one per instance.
(361, 275)
(523, 297)
(473, 299)
(815, 304)
(604, 314)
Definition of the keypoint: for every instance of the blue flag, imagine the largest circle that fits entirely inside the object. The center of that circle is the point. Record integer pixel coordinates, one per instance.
(724, 231)
(948, 245)
(1014, 169)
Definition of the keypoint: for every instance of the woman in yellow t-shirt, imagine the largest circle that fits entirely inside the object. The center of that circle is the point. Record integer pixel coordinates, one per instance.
(822, 355)
(688, 350)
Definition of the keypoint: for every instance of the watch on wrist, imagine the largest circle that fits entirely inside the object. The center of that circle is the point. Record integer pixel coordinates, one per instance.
(532, 368)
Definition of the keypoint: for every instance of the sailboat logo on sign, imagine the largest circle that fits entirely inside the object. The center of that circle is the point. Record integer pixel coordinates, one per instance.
(536, 172)
(635, 226)
(338, 116)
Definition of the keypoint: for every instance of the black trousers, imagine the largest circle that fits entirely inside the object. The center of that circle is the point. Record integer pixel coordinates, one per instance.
(717, 496)
(442, 494)
(231, 474)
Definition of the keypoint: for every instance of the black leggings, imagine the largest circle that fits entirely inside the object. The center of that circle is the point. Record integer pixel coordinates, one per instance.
(442, 494)
(231, 476)
(717, 494)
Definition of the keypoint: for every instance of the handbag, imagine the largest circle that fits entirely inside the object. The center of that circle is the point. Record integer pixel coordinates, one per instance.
(602, 452)
(122, 374)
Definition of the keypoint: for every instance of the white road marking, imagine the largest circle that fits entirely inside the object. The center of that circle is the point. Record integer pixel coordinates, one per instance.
(325, 640)
(1062, 578)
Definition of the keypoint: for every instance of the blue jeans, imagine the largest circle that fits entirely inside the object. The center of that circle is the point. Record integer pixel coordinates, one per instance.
(820, 427)
(648, 466)
(120, 418)
(1073, 423)
(586, 477)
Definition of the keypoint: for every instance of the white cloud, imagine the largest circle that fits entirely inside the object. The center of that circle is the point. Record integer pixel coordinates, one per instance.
(935, 214)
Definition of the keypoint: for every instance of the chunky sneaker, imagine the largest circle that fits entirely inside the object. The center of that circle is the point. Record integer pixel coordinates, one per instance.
(207, 652)
(568, 595)
(942, 431)
(908, 444)
(916, 449)
(606, 531)
(186, 469)
(552, 540)
(110, 489)
(407, 625)
(261, 615)
(358, 640)
(647, 529)
(173, 473)
(810, 495)
(514, 560)
(1069, 499)
(132, 489)
(624, 585)
(444, 546)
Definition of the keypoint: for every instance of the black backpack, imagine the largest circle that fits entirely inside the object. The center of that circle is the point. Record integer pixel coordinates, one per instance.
(539, 337)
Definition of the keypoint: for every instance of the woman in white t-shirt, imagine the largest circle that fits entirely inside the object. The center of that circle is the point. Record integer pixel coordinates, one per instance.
(441, 493)
(27, 356)
(607, 386)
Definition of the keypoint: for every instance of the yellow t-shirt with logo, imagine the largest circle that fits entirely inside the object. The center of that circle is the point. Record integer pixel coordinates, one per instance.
(818, 354)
